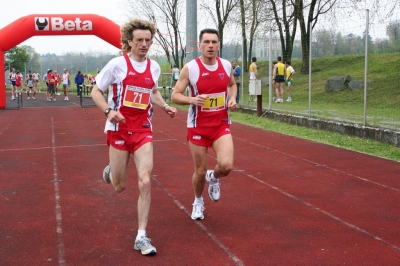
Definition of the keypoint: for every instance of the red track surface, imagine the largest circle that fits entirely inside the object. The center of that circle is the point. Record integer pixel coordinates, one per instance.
(288, 202)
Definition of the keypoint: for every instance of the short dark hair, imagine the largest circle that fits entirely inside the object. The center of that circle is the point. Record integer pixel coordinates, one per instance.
(279, 58)
(212, 31)
(288, 63)
(254, 59)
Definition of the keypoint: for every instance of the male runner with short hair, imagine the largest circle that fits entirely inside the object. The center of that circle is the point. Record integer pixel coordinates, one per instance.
(212, 93)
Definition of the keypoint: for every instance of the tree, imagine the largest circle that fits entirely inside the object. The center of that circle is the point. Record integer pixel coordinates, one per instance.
(324, 43)
(169, 13)
(33, 62)
(393, 32)
(285, 15)
(307, 13)
(220, 16)
(251, 17)
(16, 58)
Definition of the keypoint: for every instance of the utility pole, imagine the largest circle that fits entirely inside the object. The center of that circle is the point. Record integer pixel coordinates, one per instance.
(191, 30)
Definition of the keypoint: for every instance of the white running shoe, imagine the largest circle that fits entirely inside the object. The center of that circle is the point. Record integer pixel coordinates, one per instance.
(213, 186)
(106, 174)
(12, 98)
(34, 98)
(49, 99)
(54, 99)
(58, 94)
(198, 208)
(143, 244)
(289, 99)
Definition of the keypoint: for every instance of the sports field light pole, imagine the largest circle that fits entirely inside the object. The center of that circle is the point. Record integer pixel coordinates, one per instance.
(309, 73)
(366, 66)
(270, 70)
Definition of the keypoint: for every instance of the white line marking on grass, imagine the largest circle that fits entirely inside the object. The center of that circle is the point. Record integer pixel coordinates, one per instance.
(60, 242)
(327, 213)
(202, 227)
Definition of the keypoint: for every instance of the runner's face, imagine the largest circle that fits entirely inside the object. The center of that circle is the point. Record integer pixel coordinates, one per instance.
(209, 45)
(141, 42)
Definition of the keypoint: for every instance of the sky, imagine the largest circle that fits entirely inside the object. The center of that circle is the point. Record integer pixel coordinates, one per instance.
(63, 44)
(114, 11)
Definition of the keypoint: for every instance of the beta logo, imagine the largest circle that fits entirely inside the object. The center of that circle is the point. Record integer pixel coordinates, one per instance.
(58, 24)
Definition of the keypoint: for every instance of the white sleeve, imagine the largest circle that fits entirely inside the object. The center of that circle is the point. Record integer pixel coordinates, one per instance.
(113, 72)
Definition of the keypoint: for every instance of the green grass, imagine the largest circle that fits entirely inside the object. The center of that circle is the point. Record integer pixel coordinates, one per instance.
(383, 96)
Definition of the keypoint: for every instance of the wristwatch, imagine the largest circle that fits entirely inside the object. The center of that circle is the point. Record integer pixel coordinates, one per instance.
(107, 111)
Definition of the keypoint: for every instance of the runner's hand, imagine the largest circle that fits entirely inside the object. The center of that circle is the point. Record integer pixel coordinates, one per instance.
(232, 105)
(116, 117)
(199, 100)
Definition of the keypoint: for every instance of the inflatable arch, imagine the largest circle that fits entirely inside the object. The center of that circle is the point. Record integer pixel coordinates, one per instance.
(50, 25)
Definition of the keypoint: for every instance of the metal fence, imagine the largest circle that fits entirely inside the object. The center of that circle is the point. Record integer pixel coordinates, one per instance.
(369, 97)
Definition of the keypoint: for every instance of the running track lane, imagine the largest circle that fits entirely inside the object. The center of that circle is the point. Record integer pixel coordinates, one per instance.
(288, 202)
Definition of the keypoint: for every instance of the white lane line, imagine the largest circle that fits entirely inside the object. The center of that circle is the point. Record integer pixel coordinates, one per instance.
(60, 242)
(210, 235)
(47, 147)
(327, 214)
(327, 167)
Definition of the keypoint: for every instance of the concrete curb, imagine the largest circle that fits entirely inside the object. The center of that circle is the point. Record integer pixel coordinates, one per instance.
(378, 134)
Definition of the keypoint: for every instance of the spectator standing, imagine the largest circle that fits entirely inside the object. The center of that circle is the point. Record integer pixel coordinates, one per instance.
(79, 80)
(30, 84)
(279, 78)
(36, 77)
(237, 71)
(253, 76)
(66, 83)
(57, 79)
(289, 79)
(12, 76)
(18, 83)
(51, 82)
(175, 75)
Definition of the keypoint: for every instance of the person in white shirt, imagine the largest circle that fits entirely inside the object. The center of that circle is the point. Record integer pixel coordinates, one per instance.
(66, 82)
(289, 76)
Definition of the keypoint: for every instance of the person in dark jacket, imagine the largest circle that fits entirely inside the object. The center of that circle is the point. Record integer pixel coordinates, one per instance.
(79, 80)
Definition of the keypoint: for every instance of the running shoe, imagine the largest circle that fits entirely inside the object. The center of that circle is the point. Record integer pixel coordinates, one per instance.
(34, 98)
(106, 174)
(198, 208)
(54, 99)
(289, 99)
(12, 98)
(29, 98)
(143, 244)
(213, 186)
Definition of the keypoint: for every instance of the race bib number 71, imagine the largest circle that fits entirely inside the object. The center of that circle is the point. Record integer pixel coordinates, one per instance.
(137, 97)
(215, 102)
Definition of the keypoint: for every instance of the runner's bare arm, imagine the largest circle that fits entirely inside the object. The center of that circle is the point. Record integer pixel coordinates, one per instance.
(178, 96)
(98, 98)
(158, 100)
